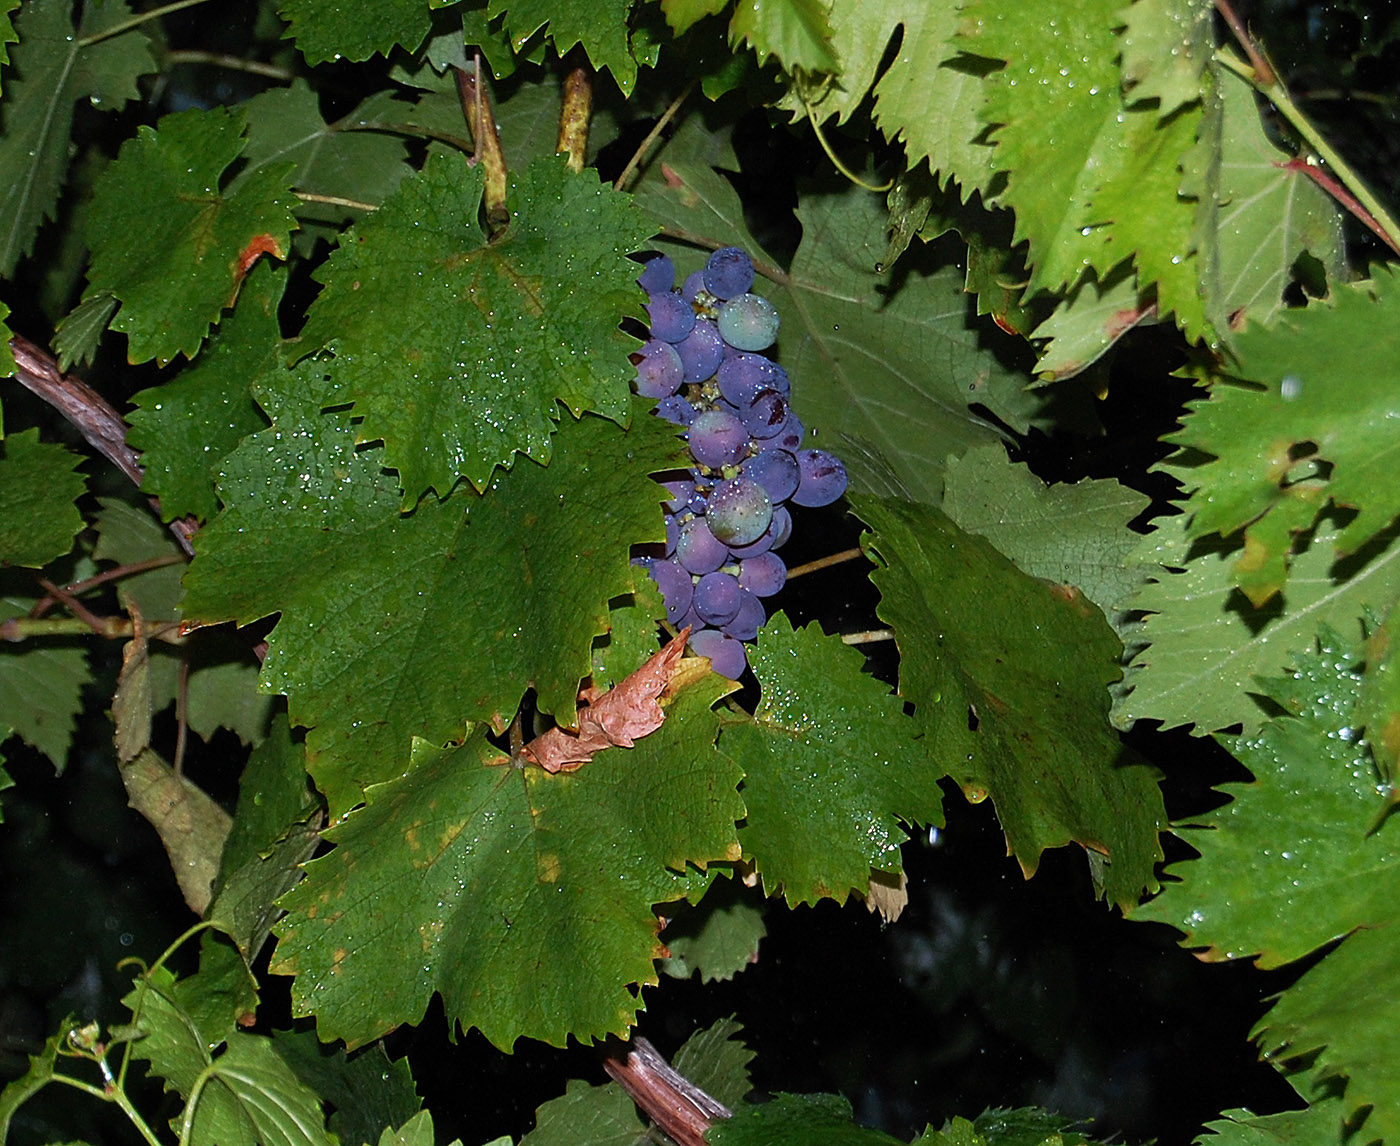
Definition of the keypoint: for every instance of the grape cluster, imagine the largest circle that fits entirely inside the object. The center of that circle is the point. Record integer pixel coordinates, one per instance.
(704, 364)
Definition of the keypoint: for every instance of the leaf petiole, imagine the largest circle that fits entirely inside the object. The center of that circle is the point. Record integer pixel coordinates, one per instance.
(135, 22)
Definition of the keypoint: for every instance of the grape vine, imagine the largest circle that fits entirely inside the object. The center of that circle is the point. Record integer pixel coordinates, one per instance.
(411, 413)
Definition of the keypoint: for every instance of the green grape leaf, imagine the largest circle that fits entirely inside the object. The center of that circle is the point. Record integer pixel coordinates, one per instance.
(631, 636)
(285, 126)
(717, 1062)
(1204, 644)
(831, 764)
(185, 427)
(418, 1131)
(41, 687)
(82, 328)
(932, 99)
(858, 37)
(1273, 882)
(1167, 46)
(1088, 320)
(7, 356)
(1009, 680)
(1270, 211)
(42, 1068)
(1074, 533)
(39, 484)
(454, 347)
(1092, 181)
(599, 25)
(1342, 1012)
(5, 780)
(369, 1091)
(462, 867)
(1026, 1126)
(176, 267)
(796, 1120)
(274, 831)
(421, 628)
(1319, 1123)
(718, 937)
(327, 30)
(7, 30)
(1329, 378)
(795, 32)
(1378, 706)
(128, 535)
(587, 1115)
(53, 67)
(885, 377)
(681, 15)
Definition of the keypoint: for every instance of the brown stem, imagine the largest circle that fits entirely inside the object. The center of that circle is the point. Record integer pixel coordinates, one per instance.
(182, 715)
(680, 1108)
(100, 425)
(1344, 197)
(641, 153)
(575, 115)
(824, 562)
(481, 118)
(48, 601)
(1263, 70)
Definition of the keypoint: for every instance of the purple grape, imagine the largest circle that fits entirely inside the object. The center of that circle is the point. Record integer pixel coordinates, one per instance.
(672, 318)
(677, 589)
(697, 549)
(659, 373)
(763, 575)
(676, 410)
(717, 439)
(673, 532)
(739, 511)
(701, 351)
(748, 620)
(729, 272)
(727, 656)
(763, 543)
(782, 525)
(823, 478)
(680, 493)
(781, 382)
(658, 274)
(748, 322)
(717, 598)
(788, 438)
(766, 416)
(743, 376)
(776, 471)
(693, 285)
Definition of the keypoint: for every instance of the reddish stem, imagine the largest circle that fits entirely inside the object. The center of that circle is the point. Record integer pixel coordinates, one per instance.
(679, 1107)
(1343, 196)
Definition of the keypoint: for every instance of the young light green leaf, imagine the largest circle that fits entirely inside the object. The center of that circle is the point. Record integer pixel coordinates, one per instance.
(1167, 45)
(82, 328)
(496, 329)
(1088, 320)
(587, 1115)
(859, 35)
(421, 628)
(274, 1108)
(326, 30)
(1205, 644)
(1009, 679)
(416, 1131)
(186, 426)
(7, 31)
(1274, 882)
(831, 766)
(716, 1061)
(795, 32)
(1025, 1126)
(42, 1068)
(1343, 1016)
(1072, 533)
(53, 67)
(463, 866)
(176, 266)
(1330, 377)
(39, 484)
(1322, 1122)
(41, 688)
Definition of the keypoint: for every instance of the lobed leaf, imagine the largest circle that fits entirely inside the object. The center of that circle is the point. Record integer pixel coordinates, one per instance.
(831, 765)
(326, 30)
(39, 485)
(795, 32)
(1167, 46)
(717, 938)
(54, 65)
(41, 688)
(454, 347)
(421, 628)
(462, 867)
(587, 1115)
(175, 267)
(1009, 680)
(370, 1092)
(795, 1120)
(601, 26)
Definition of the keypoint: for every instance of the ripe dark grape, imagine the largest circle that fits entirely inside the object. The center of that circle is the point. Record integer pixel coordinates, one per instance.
(676, 409)
(717, 439)
(748, 620)
(672, 318)
(677, 589)
(776, 471)
(658, 274)
(697, 549)
(659, 373)
(727, 656)
(717, 598)
(729, 272)
(763, 575)
(823, 478)
(701, 351)
(742, 377)
(766, 415)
